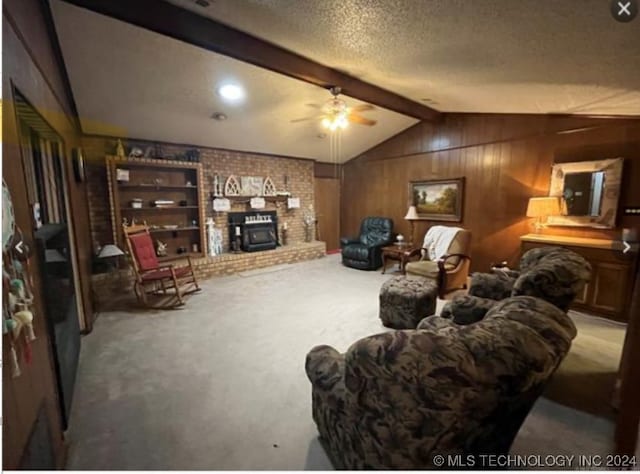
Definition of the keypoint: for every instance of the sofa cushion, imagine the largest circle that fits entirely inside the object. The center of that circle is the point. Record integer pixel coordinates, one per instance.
(496, 286)
(467, 309)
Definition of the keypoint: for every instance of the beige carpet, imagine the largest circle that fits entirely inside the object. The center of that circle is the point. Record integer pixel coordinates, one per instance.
(220, 384)
(586, 378)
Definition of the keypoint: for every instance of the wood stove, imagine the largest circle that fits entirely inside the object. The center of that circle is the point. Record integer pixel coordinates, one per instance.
(254, 231)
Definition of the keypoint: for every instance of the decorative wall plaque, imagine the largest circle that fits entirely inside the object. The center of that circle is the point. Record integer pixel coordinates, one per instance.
(221, 205)
(293, 203)
(257, 203)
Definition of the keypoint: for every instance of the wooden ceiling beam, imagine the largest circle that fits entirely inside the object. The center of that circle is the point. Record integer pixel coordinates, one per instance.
(170, 20)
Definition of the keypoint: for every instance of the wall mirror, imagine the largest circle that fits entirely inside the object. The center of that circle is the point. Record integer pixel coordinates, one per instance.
(589, 192)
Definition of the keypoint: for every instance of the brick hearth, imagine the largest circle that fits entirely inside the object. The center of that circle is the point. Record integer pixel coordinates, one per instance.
(107, 286)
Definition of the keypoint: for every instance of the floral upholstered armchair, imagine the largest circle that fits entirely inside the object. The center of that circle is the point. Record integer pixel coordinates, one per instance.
(397, 399)
(555, 274)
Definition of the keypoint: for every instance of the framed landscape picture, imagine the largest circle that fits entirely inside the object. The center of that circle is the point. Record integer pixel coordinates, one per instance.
(438, 200)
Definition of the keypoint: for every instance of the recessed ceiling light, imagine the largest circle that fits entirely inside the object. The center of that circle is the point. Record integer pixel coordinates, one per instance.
(219, 116)
(231, 92)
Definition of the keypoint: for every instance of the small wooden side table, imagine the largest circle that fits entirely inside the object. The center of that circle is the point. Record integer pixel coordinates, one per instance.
(398, 252)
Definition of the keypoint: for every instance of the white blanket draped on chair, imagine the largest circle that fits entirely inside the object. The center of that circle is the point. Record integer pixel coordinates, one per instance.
(438, 240)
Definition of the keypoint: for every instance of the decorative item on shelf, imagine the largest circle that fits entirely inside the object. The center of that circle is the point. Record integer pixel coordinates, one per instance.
(193, 155)
(293, 203)
(221, 205)
(541, 208)
(232, 187)
(438, 200)
(309, 219)
(182, 249)
(161, 249)
(136, 203)
(257, 203)
(158, 182)
(163, 203)
(217, 186)
(148, 152)
(251, 185)
(411, 216)
(122, 175)
(194, 248)
(268, 188)
(136, 152)
(211, 228)
(119, 149)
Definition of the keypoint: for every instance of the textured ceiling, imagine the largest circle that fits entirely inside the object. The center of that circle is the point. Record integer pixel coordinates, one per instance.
(128, 81)
(505, 56)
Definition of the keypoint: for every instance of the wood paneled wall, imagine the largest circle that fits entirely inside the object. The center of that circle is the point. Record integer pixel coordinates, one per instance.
(505, 159)
(30, 65)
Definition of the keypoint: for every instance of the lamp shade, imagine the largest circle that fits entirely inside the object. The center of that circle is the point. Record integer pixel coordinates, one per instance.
(110, 250)
(412, 214)
(543, 207)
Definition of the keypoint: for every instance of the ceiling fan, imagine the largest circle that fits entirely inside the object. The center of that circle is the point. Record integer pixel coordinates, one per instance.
(335, 113)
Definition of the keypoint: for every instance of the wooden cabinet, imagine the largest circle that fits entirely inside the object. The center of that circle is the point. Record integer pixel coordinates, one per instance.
(137, 189)
(609, 291)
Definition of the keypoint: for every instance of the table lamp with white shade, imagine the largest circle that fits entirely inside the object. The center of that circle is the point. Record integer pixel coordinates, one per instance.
(541, 208)
(109, 253)
(412, 215)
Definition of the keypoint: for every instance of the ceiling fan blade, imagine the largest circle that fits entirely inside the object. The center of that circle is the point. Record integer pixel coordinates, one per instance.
(359, 119)
(315, 117)
(362, 108)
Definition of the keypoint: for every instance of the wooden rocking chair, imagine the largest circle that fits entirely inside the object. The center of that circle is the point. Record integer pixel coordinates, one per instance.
(154, 278)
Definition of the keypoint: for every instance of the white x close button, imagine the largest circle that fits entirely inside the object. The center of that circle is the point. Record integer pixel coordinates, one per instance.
(624, 10)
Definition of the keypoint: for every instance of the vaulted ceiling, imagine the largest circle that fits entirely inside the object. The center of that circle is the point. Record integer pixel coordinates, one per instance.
(500, 56)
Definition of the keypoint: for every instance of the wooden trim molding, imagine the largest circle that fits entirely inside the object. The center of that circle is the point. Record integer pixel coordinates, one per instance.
(183, 25)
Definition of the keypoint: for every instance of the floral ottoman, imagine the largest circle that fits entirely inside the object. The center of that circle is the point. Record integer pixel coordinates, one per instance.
(404, 302)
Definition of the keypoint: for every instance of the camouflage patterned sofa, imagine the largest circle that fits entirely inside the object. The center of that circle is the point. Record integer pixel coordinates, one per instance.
(395, 400)
(554, 274)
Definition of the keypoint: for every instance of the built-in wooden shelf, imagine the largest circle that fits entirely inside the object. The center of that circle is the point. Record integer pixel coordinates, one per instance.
(153, 187)
(152, 180)
(168, 208)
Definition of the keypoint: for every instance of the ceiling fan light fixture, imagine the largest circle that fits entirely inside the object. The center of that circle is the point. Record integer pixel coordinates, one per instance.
(336, 120)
